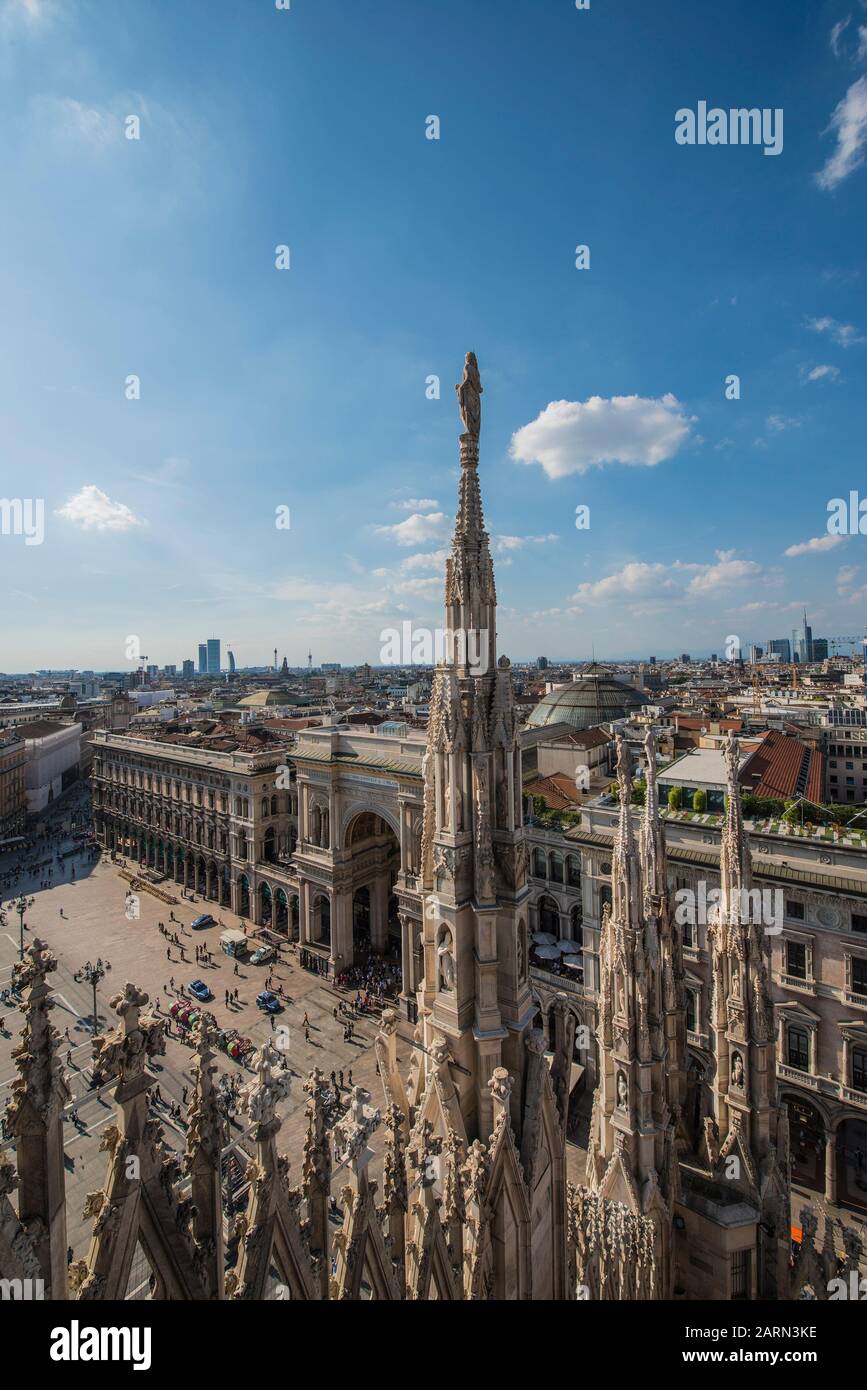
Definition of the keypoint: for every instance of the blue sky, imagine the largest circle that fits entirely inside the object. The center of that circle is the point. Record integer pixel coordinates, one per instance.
(306, 387)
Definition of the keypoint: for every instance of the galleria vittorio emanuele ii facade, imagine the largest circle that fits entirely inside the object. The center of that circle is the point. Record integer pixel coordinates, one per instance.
(676, 1201)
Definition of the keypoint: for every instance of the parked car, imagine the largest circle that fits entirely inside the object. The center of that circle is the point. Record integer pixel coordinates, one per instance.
(268, 1001)
(262, 954)
(200, 990)
(205, 920)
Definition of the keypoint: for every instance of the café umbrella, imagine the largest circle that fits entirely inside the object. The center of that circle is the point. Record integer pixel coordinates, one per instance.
(548, 952)
(544, 938)
(569, 948)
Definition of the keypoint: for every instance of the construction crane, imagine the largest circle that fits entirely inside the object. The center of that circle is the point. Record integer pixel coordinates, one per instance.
(834, 643)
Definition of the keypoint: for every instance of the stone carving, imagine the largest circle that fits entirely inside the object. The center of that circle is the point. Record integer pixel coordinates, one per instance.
(469, 393)
(446, 959)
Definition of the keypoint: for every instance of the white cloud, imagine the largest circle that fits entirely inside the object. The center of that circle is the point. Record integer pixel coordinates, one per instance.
(571, 436)
(636, 580)
(426, 560)
(92, 509)
(815, 545)
(712, 579)
(849, 122)
(823, 372)
(417, 529)
(844, 334)
(416, 504)
(505, 543)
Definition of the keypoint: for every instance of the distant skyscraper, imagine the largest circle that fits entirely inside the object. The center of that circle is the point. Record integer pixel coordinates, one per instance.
(803, 641)
(189, 670)
(213, 656)
(756, 652)
(203, 658)
(170, 670)
(780, 648)
(542, 663)
(231, 663)
(820, 649)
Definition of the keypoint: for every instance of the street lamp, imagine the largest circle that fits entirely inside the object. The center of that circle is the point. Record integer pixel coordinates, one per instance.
(21, 908)
(93, 974)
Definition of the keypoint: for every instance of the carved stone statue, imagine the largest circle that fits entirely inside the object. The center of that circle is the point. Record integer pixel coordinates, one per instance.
(469, 396)
(446, 959)
(622, 1091)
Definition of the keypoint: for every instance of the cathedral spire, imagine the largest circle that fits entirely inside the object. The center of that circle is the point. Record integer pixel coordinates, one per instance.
(476, 990)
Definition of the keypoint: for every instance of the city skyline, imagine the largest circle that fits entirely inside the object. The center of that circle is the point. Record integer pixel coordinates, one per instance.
(308, 389)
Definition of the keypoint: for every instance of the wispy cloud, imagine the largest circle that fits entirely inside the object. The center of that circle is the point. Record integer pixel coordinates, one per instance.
(502, 544)
(836, 34)
(849, 124)
(822, 372)
(816, 545)
(415, 504)
(844, 334)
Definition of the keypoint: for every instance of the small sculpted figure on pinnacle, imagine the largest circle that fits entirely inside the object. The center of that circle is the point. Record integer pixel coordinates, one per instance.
(470, 396)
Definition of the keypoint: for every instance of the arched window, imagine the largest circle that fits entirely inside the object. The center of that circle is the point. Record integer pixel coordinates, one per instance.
(556, 869)
(274, 804)
(540, 864)
(573, 871)
(859, 1068)
(264, 805)
(604, 897)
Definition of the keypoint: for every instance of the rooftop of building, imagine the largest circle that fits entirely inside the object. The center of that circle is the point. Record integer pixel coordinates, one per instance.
(596, 697)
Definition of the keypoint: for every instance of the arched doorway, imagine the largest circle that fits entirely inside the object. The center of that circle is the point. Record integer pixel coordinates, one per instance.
(243, 896)
(807, 1131)
(269, 846)
(265, 905)
(294, 918)
(320, 920)
(852, 1163)
(281, 911)
(549, 917)
(361, 920)
(374, 846)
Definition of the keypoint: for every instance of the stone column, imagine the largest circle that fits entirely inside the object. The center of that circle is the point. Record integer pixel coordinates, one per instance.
(830, 1168)
(304, 927)
(406, 944)
(341, 951)
(379, 914)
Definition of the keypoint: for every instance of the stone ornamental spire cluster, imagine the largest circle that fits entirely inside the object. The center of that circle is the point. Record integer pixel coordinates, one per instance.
(637, 1106)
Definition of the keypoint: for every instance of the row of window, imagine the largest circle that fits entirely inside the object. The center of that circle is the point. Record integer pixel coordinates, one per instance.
(552, 867)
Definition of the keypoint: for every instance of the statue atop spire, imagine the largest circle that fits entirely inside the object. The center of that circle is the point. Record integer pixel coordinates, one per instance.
(469, 396)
